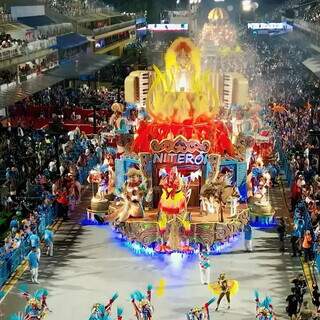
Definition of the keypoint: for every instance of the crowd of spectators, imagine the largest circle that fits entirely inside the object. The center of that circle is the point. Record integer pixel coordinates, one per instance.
(43, 184)
(7, 76)
(70, 7)
(6, 41)
(292, 108)
(312, 14)
(290, 94)
(293, 111)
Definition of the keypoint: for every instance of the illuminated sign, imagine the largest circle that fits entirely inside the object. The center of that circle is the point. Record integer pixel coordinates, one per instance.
(168, 27)
(181, 158)
(268, 26)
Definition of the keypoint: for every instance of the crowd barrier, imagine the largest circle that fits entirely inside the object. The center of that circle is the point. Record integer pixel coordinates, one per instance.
(10, 261)
(10, 53)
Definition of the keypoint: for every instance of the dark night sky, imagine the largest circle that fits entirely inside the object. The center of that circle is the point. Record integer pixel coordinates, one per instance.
(154, 7)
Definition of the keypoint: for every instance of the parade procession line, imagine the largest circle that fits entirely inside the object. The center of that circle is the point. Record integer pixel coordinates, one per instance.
(16, 276)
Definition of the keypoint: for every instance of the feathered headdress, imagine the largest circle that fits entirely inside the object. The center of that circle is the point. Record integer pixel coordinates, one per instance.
(119, 312)
(40, 293)
(17, 316)
(138, 296)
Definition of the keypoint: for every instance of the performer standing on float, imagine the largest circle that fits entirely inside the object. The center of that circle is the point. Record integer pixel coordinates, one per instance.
(173, 200)
(172, 203)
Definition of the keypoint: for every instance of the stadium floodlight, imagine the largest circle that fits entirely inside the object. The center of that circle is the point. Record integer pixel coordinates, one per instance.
(246, 5)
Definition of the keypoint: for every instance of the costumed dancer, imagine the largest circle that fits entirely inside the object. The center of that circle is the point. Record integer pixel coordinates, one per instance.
(173, 199)
(204, 265)
(264, 309)
(143, 308)
(110, 303)
(36, 307)
(224, 288)
(48, 239)
(173, 202)
(248, 238)
(98, 312)
(33, 261)
(35, 243)
(202, 313)
(33, 310)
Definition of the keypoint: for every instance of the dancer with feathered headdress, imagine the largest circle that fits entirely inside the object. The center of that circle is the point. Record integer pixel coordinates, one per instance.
(100, 311)
(143, 308)
(36, 307)
(200, 313)
(264, 309)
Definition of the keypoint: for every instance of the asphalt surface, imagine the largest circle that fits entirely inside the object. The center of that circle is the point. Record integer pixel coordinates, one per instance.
(90, 263)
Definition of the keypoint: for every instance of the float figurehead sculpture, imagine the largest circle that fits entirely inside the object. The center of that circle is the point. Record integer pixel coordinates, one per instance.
(183, 101)
(182, 92)
(134, 192)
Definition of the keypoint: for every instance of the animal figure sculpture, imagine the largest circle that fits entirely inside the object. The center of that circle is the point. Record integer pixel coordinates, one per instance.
(216, 193)
(133, 194)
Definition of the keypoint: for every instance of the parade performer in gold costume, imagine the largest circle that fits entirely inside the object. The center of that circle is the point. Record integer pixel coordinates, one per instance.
(224, 288)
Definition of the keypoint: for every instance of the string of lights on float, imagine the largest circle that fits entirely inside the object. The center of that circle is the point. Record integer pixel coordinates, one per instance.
(140, 250)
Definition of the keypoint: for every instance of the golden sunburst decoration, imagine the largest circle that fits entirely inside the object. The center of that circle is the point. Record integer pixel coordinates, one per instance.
(218, 15)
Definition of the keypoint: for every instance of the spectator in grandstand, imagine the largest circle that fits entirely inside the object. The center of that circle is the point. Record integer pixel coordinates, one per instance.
(307, 245)
(14, 224)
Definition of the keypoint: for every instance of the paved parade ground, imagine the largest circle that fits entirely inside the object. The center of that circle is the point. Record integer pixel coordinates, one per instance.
(90, 264)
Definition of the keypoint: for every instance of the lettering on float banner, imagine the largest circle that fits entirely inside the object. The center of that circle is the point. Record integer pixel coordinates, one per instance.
(181, 158)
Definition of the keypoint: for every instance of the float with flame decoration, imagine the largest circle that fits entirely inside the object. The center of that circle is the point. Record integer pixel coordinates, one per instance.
(194, 188)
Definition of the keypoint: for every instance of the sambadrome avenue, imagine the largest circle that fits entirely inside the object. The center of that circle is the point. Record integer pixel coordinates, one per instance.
(160, 160)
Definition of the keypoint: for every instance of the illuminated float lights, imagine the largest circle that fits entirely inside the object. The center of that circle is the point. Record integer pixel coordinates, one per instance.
(157, 250)
(88, 222)
(263, 222)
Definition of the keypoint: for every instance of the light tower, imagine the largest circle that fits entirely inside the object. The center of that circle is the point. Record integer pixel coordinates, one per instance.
(193, 9)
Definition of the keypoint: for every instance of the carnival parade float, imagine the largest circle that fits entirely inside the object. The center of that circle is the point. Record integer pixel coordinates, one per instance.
(182, 181)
